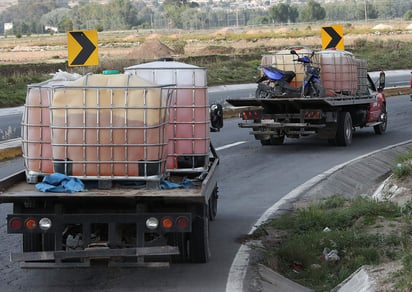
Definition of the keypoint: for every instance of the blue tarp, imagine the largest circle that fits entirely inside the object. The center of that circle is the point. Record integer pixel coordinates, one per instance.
(60, 183)
(185, 184)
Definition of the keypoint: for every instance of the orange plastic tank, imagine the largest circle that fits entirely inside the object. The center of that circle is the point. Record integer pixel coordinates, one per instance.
(188, 130)
(110, 127)
(36, 135)
(339, 72)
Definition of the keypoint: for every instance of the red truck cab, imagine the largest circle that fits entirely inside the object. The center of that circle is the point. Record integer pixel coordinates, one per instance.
(377, 109)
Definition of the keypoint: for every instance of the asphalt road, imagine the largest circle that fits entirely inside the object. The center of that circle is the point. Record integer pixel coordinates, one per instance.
(252, 178)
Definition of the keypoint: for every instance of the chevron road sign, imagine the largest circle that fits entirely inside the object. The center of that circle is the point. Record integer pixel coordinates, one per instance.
(332, 37)
(82, 48)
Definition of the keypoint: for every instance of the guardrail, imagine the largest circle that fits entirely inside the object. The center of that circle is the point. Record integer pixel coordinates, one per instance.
(401, 90)
(10, 148)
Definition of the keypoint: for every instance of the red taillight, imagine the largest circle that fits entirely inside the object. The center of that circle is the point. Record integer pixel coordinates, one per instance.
(251, 115)
(30, 223)
(182, 222)
(312, 115)
(15, 224)
(167, 222)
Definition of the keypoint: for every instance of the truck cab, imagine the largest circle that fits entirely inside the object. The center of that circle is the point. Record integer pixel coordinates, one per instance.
(377, 109)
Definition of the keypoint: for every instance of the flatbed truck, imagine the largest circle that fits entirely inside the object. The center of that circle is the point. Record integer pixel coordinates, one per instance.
(332, 117)
(140, 164)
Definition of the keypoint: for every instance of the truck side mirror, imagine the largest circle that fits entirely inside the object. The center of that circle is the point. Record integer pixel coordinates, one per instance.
(216, 117)
(381, 80)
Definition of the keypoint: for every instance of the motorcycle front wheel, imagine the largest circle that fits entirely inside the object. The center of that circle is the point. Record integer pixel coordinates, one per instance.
(316, 90)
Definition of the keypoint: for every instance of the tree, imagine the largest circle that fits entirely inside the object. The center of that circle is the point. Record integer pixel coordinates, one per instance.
(293, 14)
(55, 16)
(174, 14)
(283, 13)
(386, 9)
(261, 20)
(123, 12)
(279, 13)
(66, 24)
(86, 16)
(312, 11)
(371, 12)
(25, 13)
(145, 16)
(408, 15)
(175, 9)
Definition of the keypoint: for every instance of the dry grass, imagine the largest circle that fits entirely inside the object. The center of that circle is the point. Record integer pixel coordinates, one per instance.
(53, 48)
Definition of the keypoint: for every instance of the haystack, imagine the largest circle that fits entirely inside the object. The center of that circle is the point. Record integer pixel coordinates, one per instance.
(382, 27)
(151, 49)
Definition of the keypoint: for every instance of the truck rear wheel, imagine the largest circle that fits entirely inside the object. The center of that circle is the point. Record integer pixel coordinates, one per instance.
(344, 131)
(380, 129)
(199, 240)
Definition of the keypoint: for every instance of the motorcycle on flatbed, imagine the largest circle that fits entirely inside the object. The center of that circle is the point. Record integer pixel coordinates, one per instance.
(276, 83)
(350, 99)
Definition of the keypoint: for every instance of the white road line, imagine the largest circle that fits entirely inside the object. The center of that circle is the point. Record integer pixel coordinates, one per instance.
(230, 145)
(238, 270)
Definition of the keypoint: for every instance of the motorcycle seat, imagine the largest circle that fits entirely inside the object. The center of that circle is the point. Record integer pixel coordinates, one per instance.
(275, 73)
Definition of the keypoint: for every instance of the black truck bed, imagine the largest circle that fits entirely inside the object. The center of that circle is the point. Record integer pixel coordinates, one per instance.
(302, 102)
(15, 188)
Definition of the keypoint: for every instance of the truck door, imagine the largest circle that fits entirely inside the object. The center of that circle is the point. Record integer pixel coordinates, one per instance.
(379, 104)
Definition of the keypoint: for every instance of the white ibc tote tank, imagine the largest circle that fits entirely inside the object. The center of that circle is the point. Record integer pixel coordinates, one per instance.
(188, 128)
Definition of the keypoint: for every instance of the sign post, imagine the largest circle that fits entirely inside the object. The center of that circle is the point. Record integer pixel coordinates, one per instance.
(82, 48)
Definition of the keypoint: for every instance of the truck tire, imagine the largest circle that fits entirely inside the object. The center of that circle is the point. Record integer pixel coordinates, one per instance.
(199, 240)
(344, 131)
(380, 129)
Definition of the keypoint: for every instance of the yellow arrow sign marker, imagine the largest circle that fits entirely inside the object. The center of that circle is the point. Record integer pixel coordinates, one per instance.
(82, 48)
(332, 37)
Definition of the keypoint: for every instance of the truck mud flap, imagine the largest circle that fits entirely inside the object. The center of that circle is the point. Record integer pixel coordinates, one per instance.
(65, 259)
